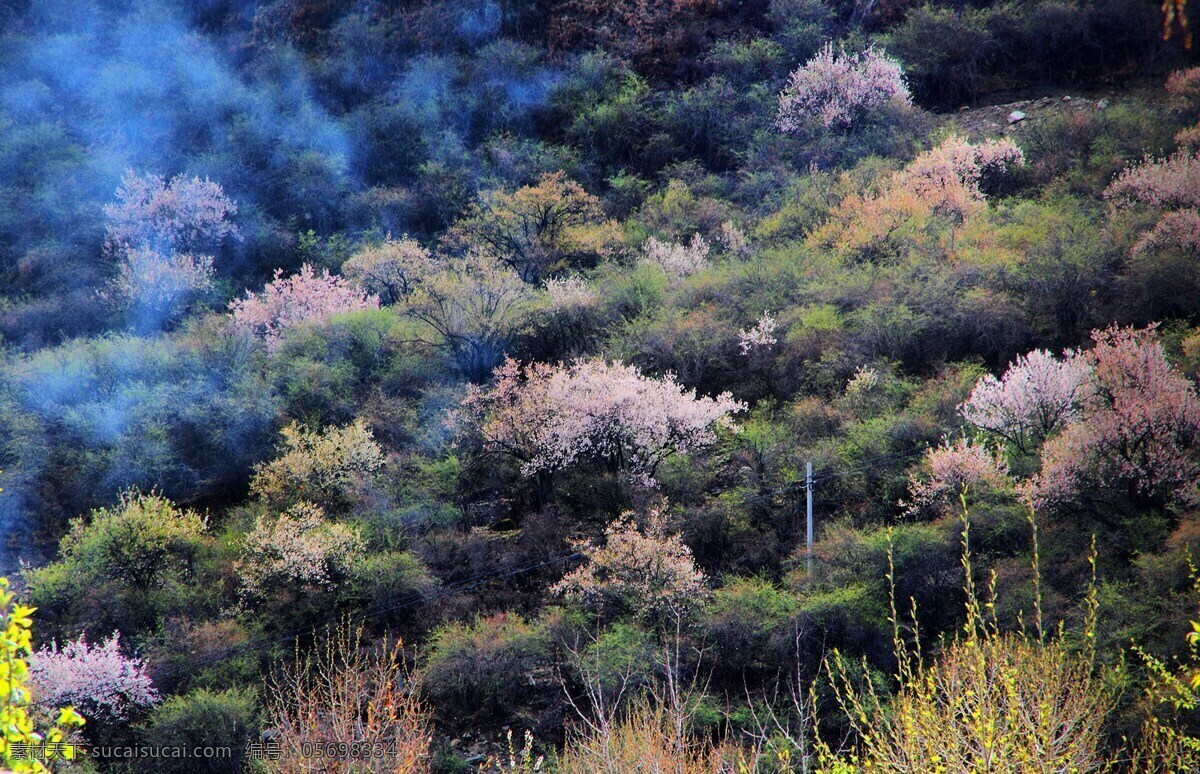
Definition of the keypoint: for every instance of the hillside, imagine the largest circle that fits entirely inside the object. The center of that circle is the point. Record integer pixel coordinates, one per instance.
(446, 385)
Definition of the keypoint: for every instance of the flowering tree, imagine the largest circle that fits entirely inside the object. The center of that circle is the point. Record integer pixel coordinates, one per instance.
(733, 240)
(840, 90)
(568, 293)
(302, 297)
(952, 470)
(759, 338)
(951, 176)
(536, 229)
(1184, 88)
(475, 306)
(552, 417)
(1135, 432)
(391, 270)
(298, 548)
(1168, 183)
(945, 183)
(1178, 230)
(99, 679)
(158, 232)
(1171, 184)
(1036, 396)
(155, 286)
(675, 259)
(318, 465)
(648, 572)
(186, 214)
(16, 726)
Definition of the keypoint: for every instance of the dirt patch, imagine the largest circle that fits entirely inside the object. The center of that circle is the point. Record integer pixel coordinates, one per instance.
(992, 120)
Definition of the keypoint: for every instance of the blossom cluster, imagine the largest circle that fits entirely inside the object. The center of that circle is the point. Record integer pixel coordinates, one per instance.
(289, 301)
(160, 234)
(98, 679)
(649, 571)
(1135, 432)
(946, 181)
(157, 283)
(569, 293)
(391, 270)
(1170, 183)
(1184, 88)
(733, 240)
(954, 468)
(1178, 230)
(760, 337)
(839, 89)
(950, 176)
(675, 259)
(1036, 396)
(551, 417)
(299, 547)
(186, 214)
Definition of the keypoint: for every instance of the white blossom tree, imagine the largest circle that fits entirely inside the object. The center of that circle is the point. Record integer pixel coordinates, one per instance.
(1037, 395)
(647, 571)
(675, 259)
(297, 549)
(552, 417)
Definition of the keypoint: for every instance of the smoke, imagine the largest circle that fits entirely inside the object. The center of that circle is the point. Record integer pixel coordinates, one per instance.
(90, 89)
(94, 89)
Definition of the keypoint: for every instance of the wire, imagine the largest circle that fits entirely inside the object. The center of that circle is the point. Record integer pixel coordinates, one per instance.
(886, 460)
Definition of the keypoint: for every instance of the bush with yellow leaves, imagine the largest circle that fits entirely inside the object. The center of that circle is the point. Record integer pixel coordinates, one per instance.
(22, 747)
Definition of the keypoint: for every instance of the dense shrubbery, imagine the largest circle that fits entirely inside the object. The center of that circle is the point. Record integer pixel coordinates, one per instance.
(512, 327)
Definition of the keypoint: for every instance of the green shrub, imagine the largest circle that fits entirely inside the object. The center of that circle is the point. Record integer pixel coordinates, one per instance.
(203, 718)
(129, 566)
(751, 625)
(484, 669)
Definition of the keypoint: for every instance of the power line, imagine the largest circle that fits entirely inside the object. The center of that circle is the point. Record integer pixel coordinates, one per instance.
(886, 460)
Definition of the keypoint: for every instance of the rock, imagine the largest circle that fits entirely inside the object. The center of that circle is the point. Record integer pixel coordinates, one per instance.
(1016, 116)
(1102, 105)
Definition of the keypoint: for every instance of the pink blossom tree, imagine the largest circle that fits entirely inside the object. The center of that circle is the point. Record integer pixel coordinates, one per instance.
(951, 176)
(1168, 183)
(1037, 395)
(98, 679)
(186, 214)
(159, 234)
(155, 287)
(1183, 86)
(644, 570)
(552, 417)
(1135, 433)
(954, 469)
(838, 90)
(303, 297)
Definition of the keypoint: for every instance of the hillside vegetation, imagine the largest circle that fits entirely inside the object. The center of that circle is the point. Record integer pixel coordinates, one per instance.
(433, 386)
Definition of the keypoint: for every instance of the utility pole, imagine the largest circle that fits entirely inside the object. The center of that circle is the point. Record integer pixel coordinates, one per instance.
(808, 488)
